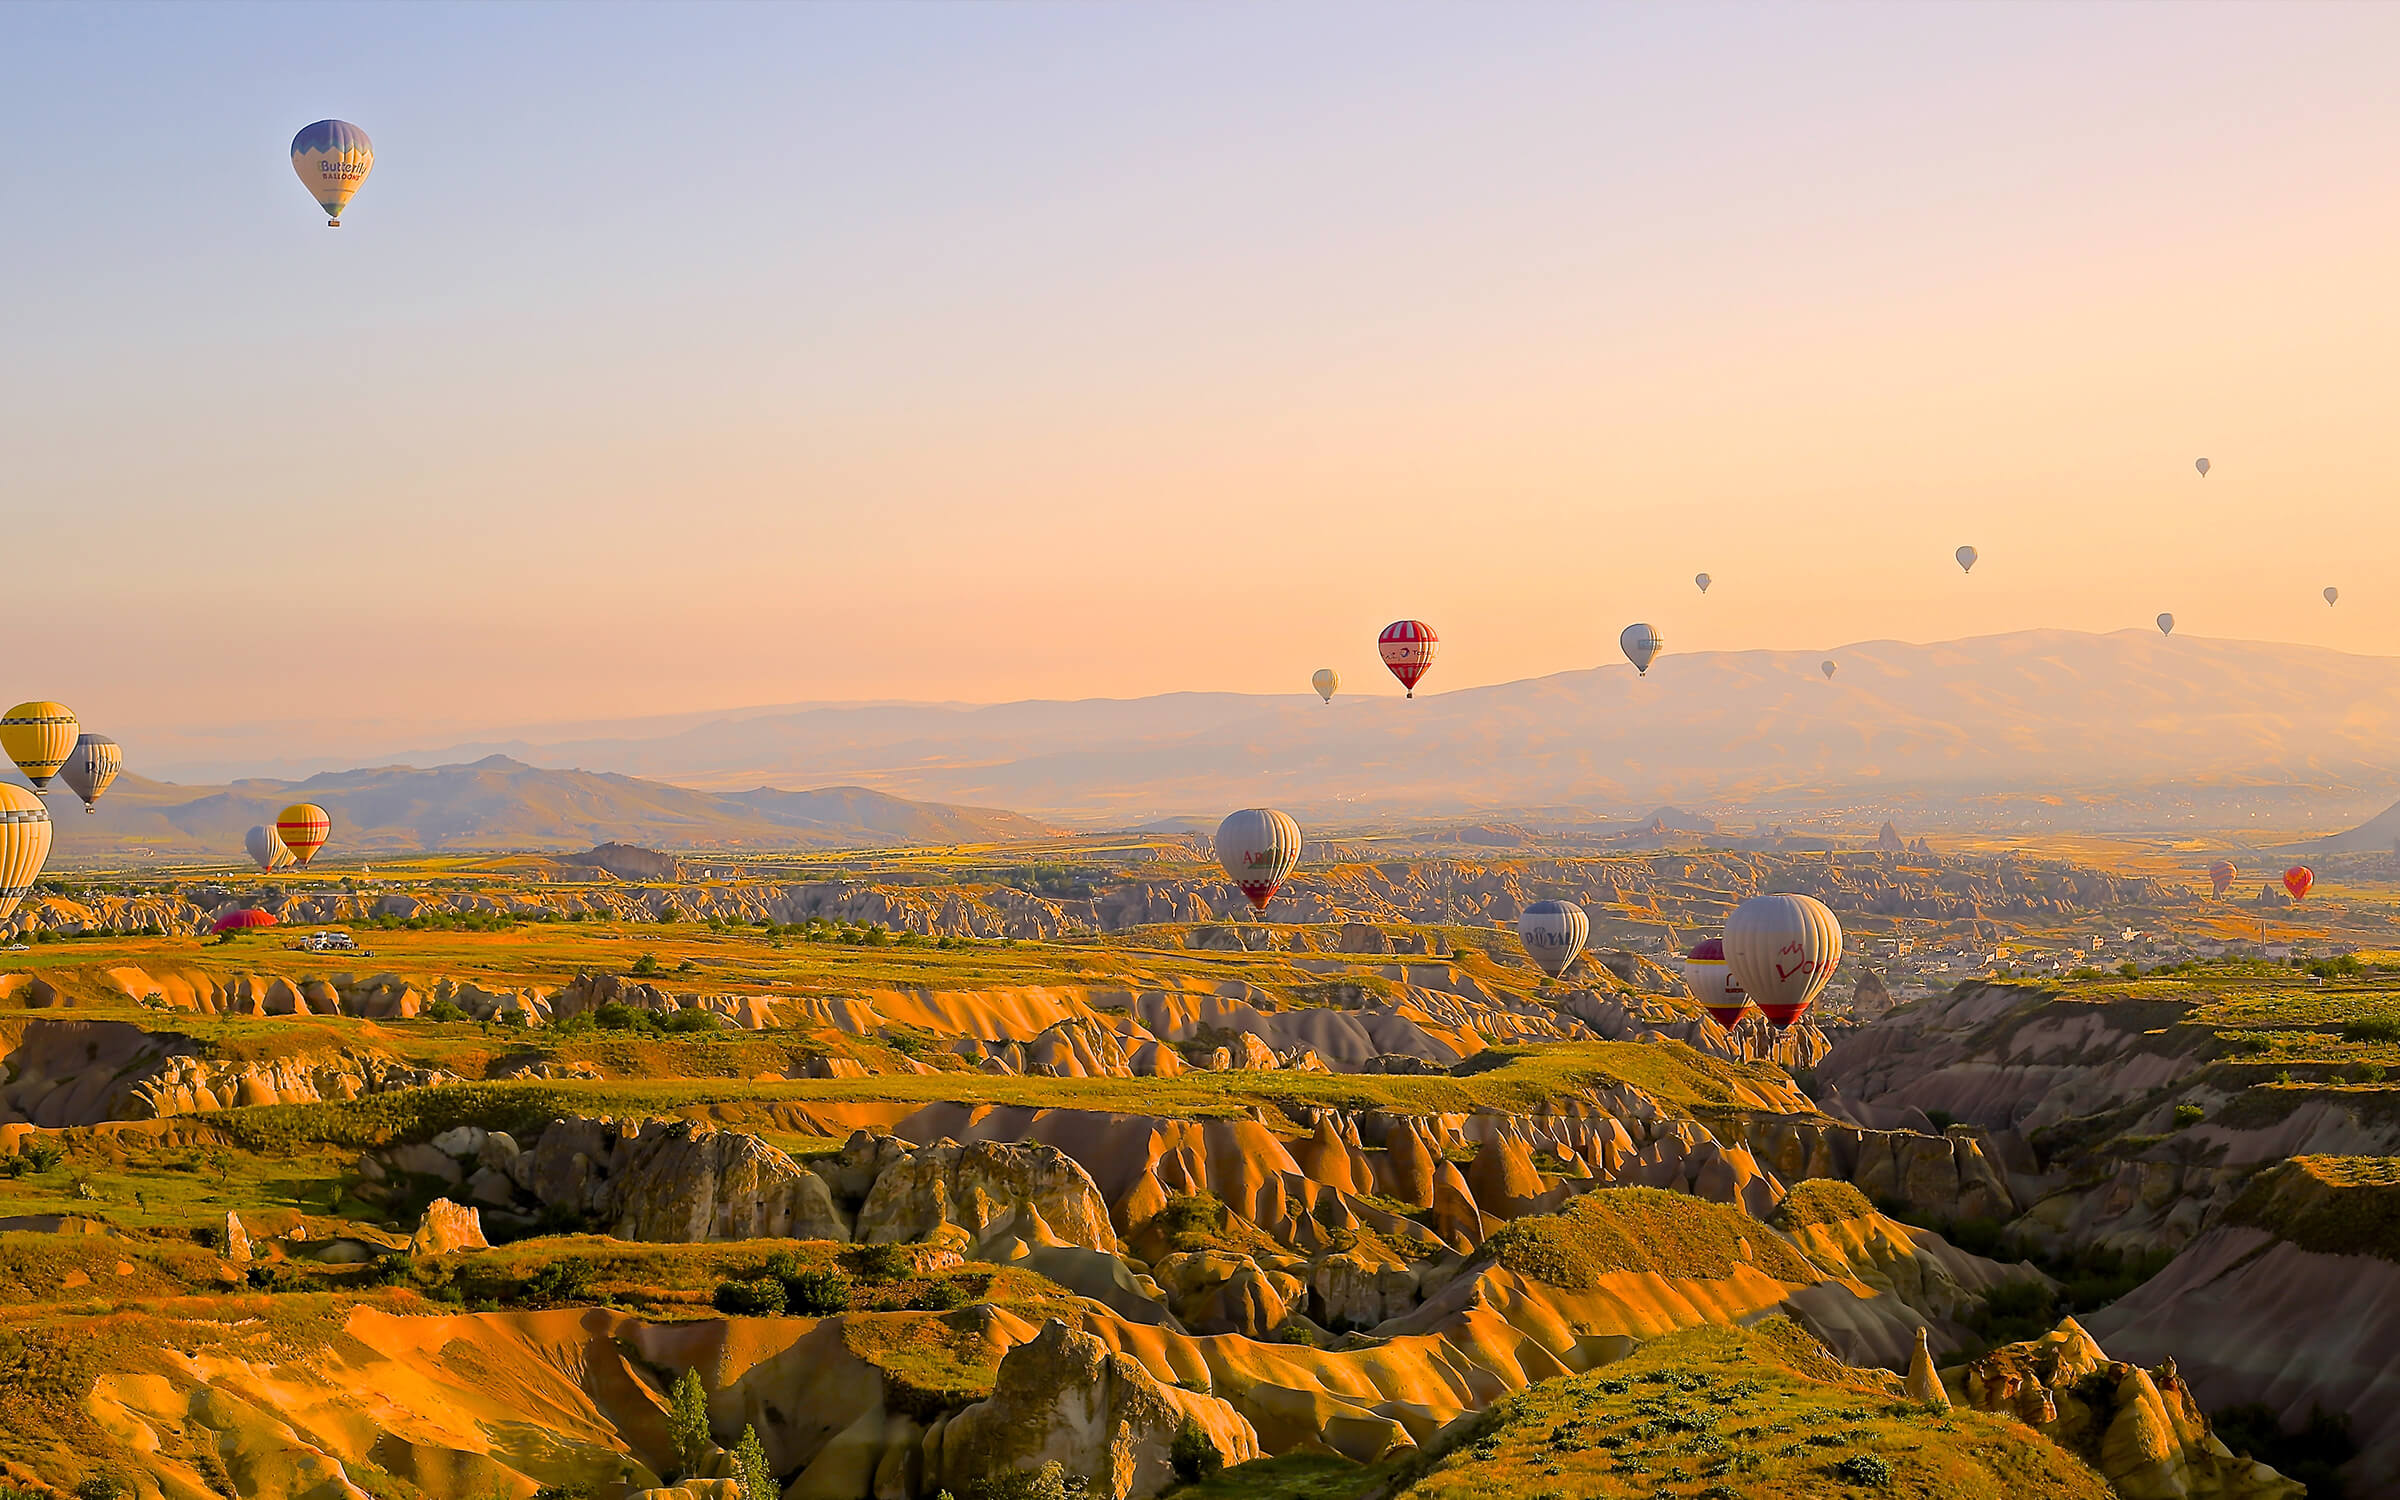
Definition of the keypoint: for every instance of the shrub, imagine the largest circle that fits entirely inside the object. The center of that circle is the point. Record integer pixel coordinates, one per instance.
(1864, 1468)
(1049, 1482)
(1192, 1221)
(441, 1010)
(2310, 1455)
(560, 1281)
(941, 1296)
(2189, 1114)
(100, 1487)
(2371, 1029)
(646, 965)
(1194, 1453)
(816, 1294)
(763, 1298)
(882, 1262)
(750, 1467)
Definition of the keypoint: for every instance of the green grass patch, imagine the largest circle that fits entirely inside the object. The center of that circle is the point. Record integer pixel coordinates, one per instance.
(1642, 1229)
(1821, 1200)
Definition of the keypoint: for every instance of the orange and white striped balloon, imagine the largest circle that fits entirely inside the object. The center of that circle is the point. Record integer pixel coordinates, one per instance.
(24, 844)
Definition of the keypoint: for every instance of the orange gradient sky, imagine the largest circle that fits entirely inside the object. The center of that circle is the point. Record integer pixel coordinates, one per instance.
(677, 357)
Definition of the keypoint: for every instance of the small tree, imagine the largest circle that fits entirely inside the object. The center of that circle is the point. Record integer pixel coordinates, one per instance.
(687, 1421)
(1194, 1454)
(750, 1466)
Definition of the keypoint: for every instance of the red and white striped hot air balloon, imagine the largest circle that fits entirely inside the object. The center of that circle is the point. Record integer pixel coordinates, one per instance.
(1408, 647)
(1712, 982)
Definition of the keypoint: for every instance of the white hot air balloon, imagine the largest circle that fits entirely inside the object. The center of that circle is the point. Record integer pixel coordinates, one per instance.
(2166, 624)
(1782, 949)
(1327, 682)
(1259, 847)
(1703, 580)
(1553, 933)
(1966, 559)
(1826, 667)
(1641, 644)
(1711, 979)
(2202, 466)
(266, 847)
(2332, 594)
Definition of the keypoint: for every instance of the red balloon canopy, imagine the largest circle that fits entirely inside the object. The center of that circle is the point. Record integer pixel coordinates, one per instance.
(2298, 879)
(246, 917)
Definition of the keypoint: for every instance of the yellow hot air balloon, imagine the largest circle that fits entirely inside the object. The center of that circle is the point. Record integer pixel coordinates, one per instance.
(303, 827)
(24, 844)
(37, 736)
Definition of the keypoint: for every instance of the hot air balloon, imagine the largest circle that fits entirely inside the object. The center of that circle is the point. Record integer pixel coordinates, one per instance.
(2220, 876)
(1553, 933)
(1826, 667)
(266, 847)
(1326, 682)
(1966, 559)
(303, 827)
(2297, 880)
(1641, 645)
(1711, 979)
(2166, 624)
(2202, 466)
(90, 767)
(24, 844)
(1258, 847)
(1703, 580)
(332, 157)
(1782, 949)
(2331, 595)
(235, 921)
(1408, 647)
(37, 736)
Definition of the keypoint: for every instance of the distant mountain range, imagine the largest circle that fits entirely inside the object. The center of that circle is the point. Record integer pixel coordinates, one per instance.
(499, 803)
(2037, 719)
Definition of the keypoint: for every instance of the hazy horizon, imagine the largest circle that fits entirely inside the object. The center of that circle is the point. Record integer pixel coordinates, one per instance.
(674, 359)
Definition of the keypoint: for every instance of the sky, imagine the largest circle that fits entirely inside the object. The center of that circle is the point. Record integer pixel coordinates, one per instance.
(684, 357)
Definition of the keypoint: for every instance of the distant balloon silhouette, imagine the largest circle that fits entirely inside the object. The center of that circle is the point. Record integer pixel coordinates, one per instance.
(90, 767)
(2166, 624)
(1407, 647)
(1826, 667)
(1703, 580)
(1553, 932)
(2202, 466)
(1966, 559)
(2297, 880)
(1641, 645)
(266, 846)
(1326, 682)
(2220, 876)
(2332, 594)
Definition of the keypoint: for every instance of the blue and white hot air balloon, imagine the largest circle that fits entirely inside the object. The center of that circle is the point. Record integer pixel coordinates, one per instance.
(333, 157)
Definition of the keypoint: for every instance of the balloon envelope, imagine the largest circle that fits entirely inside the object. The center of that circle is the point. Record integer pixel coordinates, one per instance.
(90, 767)
(2331, 594)
(1782, 950)
(1327, 682)
(1407, 647)
(266, 847)
(1711, 979)
(1703, 580)
(1553, 933)
(1825, 667)
(2166, 624)
(2220, 876)
(1966, 559)
(24, 844)
(2297, 880)
(303, 827)
(38, 736)
(2202, 466)
(1641, 645)
(332, 157)
(1258, 847)
(235, 921)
